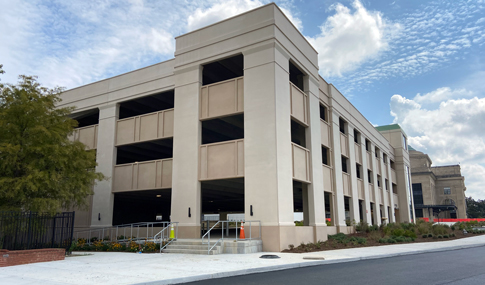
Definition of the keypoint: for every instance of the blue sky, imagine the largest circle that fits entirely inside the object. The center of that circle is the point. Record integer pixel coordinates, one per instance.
(417, 63)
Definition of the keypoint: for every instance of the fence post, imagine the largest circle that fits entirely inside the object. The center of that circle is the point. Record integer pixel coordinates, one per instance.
(29, 232)
(53, 231)
(72, 228)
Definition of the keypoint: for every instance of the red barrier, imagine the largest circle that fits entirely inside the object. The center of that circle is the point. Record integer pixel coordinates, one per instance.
(459, 220)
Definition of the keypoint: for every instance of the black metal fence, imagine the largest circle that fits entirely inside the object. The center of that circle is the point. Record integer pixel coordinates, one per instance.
(30, 230)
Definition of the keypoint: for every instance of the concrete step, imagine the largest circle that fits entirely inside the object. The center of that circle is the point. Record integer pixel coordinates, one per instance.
(191, 246)
(191, 242)
(191, 251)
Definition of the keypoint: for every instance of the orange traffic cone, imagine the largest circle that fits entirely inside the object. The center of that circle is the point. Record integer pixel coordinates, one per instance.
(242, 235)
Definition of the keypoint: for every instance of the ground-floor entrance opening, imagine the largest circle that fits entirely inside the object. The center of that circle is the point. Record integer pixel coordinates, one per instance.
(361, 210)
(300, 203)
(372, 213)
(142, 206)
(222, 200)
(329, 216)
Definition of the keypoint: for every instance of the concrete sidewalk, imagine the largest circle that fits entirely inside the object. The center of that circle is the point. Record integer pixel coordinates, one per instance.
(132, 268)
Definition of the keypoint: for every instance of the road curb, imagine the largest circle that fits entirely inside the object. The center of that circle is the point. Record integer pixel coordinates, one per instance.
(298, 265)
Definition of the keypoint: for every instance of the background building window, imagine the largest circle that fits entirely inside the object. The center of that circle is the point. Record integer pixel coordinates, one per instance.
(447, 191)
(418, 194)
(344, 164)
(342, 124)
(323, 113)
(325, 156)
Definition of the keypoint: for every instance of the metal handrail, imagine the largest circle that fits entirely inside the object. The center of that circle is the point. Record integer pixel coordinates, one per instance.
(209, 248)
(168, 238)
(115, 230)
(209, 237)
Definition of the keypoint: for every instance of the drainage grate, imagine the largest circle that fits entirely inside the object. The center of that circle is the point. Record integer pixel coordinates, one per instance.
(269, 256)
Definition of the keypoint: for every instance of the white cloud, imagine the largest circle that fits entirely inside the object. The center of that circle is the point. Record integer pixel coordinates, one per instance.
(441, 94)
(225, 9)
(451, 132)
(74, 43)
(349, 38)
(430, 38)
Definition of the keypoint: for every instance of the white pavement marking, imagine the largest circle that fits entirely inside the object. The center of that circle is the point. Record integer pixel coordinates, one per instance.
(132, 268)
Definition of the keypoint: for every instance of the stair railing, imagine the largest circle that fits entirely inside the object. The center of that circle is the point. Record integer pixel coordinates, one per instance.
(164, 235)
(114, 231)
(208, 234)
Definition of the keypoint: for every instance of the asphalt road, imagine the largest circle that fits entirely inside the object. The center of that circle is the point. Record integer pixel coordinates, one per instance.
(464, 266)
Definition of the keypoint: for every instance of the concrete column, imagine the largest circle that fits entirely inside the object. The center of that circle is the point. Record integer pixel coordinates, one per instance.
(186, 141)
(103, 199)
(392, 219)
(337, 159)
(314, 144)
(385, 192)
(377, 205)
(267, 144)
(354, 206)
(366, 208)
(316, 197)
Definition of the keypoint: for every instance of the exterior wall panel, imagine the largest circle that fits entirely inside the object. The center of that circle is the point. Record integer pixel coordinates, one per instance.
(301, 163)
(222, 98)
(222, 160)
(146, 127)
(299, 109)
(87, 135)
(154, 174)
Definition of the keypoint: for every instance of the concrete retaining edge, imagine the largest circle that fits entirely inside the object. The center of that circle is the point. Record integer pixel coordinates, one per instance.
(297, 265)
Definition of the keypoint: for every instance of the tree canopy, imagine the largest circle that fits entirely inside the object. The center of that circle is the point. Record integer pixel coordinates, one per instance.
(40, 168)
(475, 208)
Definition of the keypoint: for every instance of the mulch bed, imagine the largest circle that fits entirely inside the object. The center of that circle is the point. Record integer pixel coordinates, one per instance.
(334, 244)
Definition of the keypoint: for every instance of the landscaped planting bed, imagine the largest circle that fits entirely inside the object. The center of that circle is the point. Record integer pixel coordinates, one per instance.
(366, 235)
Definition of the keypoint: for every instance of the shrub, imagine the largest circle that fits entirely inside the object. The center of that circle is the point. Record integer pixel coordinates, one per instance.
(452, 235)
(383, 240)
(439, 230)
(399, 239)
(430, 235)
(398, 232)
(338, 237)
(291, 246)
(440, 236)
(362, 227)
(410, 234)
(424, 236)
(299, 223)
(445, 236)
(391, 240)
(328, 223)
(453, 228)
(374, 235)
(361, 240)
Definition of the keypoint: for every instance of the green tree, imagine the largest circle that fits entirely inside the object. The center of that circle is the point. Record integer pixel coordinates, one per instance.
(40, 168)
(475, 208)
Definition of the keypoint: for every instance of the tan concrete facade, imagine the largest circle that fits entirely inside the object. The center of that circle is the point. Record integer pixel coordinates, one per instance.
(437, 185)
(271, 139)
